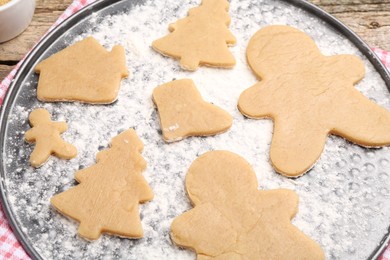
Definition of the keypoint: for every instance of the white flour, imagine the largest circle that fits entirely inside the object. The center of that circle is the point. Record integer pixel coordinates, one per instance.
(344, 199)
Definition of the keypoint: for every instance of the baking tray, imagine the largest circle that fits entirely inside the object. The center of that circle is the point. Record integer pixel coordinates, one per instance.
(22, 95)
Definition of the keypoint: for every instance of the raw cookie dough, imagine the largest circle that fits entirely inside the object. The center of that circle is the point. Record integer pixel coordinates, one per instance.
(46, 135)
(308, 96)
(184, 113)
(107, 198)
(232, 219)
(201, 38)
(83, 72)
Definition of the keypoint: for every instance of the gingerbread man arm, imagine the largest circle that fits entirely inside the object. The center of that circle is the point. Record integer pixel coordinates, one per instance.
(285, 241)
(60, 126)
(256, 101)
(30, 135)
(362, 121)
(343, 66)
(203, 229)
(65, 150)
(357, 118)
(295, 148)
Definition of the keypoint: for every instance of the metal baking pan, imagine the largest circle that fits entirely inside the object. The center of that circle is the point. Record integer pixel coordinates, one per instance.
(22, 92)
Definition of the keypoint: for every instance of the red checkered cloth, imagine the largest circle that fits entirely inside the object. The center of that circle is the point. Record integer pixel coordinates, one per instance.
(10, 248)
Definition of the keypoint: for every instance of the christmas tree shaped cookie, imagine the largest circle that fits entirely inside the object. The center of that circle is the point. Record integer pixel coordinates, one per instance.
(308, 96)
(107, 198)
(184, 113)
(83, 72)
(232, 219)
(201, 38)
(46, 135)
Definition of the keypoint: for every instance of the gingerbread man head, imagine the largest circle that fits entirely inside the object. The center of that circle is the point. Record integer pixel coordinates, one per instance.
(277, 50)
(39, 116)
(237, 178)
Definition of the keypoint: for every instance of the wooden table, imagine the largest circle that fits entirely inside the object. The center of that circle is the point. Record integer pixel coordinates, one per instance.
(368, 18)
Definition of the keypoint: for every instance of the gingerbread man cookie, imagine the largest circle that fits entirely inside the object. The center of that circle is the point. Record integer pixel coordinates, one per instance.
(202, 38)
(46, 135)
(83, 72)
(183, 112)
(232, 219)
(308, 96)
(107, 198)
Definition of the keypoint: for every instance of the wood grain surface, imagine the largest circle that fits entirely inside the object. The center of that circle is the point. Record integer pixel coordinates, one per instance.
(370, 19)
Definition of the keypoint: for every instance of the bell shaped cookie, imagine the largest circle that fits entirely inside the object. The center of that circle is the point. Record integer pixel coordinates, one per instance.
(202, 38)
(232, 219)
(107, 198)
(83, 72)
(46, 135)
(184, 113)
(308, 96)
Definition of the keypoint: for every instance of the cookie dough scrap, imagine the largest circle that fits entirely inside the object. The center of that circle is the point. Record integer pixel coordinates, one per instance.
(308, 96)
(107, 198)
(83, 72)
(46, 135)
(183, 112)
(232, 219)
(202, 38)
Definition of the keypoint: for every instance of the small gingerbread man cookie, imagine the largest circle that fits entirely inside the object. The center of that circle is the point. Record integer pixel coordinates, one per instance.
(232, 219)
(308, 96)
(46, 135)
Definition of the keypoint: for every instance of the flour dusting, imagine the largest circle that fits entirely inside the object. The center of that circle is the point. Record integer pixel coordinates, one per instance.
(344, 199)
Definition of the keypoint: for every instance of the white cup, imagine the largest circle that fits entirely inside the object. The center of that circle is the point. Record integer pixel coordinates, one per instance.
(15, 16)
